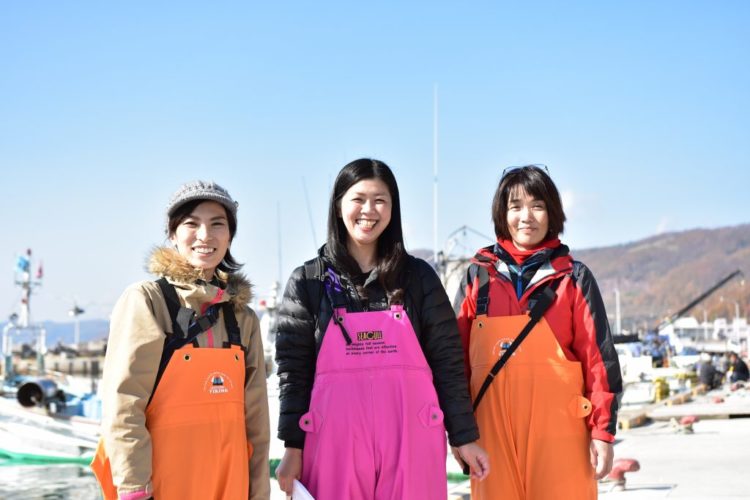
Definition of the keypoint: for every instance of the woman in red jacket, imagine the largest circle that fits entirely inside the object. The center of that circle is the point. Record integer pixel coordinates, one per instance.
(548, 417)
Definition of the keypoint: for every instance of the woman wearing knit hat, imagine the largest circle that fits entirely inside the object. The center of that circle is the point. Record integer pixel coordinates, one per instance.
(184, 386)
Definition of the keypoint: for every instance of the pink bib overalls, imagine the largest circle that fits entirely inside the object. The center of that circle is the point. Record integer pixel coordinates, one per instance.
(374, 430)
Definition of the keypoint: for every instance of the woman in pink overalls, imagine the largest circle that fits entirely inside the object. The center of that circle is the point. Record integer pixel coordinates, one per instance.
(370, 361)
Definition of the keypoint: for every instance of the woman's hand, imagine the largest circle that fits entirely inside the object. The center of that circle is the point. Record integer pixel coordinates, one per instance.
(289, 469)
(475, 457)
(602, 454)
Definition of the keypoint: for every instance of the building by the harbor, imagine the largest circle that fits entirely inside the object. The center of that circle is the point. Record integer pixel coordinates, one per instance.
(717, 336)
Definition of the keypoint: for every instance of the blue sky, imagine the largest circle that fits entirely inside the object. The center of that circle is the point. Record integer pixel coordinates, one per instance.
(640, 109)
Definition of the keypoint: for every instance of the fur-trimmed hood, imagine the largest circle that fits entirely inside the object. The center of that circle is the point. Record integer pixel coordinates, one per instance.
(168, 263)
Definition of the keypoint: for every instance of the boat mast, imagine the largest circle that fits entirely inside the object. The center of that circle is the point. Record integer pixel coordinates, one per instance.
(75, 312)
(23, 321)
(618, 315)
(7, 352)
(435, 177)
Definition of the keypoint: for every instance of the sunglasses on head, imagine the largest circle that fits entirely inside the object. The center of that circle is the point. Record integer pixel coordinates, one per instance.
(538, 166)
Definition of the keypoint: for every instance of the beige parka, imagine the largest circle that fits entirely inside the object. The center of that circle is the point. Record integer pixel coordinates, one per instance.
(136, 339)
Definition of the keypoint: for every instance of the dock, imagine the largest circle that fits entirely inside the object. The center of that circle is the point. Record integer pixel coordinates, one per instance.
(707, 461)
(719, 403)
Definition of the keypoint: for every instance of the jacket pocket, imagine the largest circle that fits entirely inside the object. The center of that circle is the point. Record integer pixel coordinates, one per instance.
(431, 415)
(311, 421)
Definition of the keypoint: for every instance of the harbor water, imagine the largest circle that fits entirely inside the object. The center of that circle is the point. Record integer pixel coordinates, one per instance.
(28, 481)
(31, 482)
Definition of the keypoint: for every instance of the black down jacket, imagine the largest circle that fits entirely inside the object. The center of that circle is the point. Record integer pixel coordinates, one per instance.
(299, 335)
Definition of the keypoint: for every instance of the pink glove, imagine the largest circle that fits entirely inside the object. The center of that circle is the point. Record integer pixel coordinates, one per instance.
(136, 495)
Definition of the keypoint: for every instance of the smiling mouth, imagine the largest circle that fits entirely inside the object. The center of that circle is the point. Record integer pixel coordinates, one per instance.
(204, 250)
(366, 223)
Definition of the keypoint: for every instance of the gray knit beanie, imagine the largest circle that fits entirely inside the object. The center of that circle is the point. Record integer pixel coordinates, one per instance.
(202, 190)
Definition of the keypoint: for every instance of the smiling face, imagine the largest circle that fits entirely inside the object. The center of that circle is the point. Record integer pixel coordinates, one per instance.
(203, 237)
(528, 220)
(366, 211)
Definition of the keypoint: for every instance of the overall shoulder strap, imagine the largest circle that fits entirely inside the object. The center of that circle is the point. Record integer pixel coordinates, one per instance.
(337, 298)
(233, 332)
(324, 280)
(179, 328)
(545, 296)
(314, 271)
(483, 295)
(230, 323)
(185, 326)
(314, 276)
(335, 290)
(317, 279)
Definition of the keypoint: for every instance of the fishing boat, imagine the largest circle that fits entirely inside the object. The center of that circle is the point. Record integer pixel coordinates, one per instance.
(45, 416)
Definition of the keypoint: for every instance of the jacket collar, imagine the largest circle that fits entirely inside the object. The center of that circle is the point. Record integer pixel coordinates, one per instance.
(168, 263)
(558, 259)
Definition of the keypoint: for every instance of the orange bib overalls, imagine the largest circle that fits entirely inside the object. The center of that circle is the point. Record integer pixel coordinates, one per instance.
(532, 417)
(196, 420)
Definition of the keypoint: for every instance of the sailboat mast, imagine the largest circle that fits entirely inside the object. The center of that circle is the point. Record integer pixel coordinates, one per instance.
(278, 240)
(435, 176)
(309, 217)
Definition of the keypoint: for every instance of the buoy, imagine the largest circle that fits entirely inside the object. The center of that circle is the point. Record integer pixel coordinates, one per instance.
(685, 424)
(688, 420)
(619, 468)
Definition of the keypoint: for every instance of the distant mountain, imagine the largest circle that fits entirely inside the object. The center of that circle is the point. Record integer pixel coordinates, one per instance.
(659, 275)
(93, 329)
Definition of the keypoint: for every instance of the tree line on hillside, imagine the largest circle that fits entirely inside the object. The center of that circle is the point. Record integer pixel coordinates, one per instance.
(657, 276)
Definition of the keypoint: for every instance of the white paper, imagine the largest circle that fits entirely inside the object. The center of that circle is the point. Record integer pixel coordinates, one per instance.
(299, 492)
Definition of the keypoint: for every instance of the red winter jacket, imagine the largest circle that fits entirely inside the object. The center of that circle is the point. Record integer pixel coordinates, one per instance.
(577, 318)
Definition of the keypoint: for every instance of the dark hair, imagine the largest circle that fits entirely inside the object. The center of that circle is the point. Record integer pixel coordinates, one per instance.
(391, 255)
(537, 183)
(227, 264)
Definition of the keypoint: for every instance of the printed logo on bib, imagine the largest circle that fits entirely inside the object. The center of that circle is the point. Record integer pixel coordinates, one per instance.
(502, 345)
(370, 343)
(217, 383)
(372, 335)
